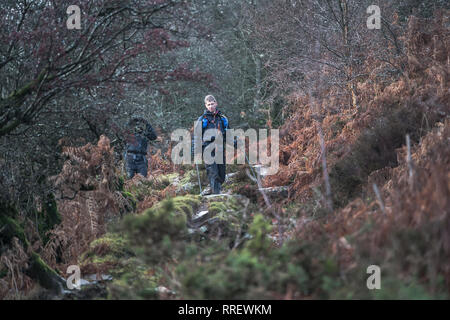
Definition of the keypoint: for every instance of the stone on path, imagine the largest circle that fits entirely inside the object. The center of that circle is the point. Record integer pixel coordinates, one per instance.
(278, 191)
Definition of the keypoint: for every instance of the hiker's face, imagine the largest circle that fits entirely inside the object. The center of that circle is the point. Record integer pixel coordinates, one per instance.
(211, 105)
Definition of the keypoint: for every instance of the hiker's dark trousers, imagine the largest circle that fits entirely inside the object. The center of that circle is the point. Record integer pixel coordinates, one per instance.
(216, 176)
(136, 163)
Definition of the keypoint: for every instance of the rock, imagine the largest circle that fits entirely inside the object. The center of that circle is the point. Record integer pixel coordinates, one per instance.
(213, 196)
(206, 192)
(230, 176)
(164, 292)
(199, 215)
(188, 182)
(198, 219)
(188, 187)
(90, 287)
(87, 292)
(262, 169)
(220, 216)
(103, 277)
(282, 191)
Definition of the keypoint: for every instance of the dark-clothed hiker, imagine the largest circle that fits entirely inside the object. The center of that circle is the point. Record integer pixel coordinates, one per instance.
(213, 118)
(136, 149)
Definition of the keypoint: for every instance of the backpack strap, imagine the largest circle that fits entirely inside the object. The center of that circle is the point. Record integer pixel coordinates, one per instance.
(223, 120)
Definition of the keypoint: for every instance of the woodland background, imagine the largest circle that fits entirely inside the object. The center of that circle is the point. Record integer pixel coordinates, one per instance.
(365, 156)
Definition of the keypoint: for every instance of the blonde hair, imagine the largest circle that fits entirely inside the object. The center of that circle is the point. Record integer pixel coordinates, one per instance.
(210, 98)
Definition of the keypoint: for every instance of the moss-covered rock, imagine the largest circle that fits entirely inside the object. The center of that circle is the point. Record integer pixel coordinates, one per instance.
(137, 281)
(106, 255)
(38, 269)
(259, 231)
(227, 218)
(110, 243)
(214, 273)
(189, 182)
(158, 233)
(46, 276)
(184, 204)
(162, 181)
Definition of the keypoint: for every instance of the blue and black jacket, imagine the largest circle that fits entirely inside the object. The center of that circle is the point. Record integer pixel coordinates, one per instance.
(211, 120)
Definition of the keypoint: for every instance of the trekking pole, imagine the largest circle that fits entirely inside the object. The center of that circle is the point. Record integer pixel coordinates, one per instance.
(199, 182)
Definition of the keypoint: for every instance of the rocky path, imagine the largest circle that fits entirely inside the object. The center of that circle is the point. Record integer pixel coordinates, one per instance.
(223, 217)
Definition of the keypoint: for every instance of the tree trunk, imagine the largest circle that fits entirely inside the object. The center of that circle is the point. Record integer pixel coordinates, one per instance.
(343, 5)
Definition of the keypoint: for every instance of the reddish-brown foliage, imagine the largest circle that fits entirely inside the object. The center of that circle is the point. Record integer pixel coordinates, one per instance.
(88, 200)
(422, 87)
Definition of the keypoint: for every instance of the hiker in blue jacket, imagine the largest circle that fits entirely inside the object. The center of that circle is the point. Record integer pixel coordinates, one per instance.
(213, 118)
(136, 148)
